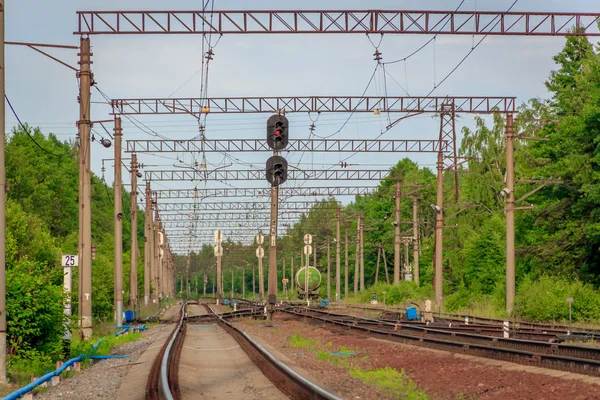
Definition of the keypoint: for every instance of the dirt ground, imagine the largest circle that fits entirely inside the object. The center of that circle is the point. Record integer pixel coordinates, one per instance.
(441, 375)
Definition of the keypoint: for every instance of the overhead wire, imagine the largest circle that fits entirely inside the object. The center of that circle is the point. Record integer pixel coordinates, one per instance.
(29, 134)
(451, 71)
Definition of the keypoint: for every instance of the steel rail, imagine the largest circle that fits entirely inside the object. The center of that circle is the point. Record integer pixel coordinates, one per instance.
(288, 381)
(571, 363)
(576, 351)
(164, 365)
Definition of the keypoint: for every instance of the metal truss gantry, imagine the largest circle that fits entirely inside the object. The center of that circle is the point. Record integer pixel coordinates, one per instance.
(259, 175)
(258, 193)
(234, 206)
(228, 216)
(315, 145)
(335, 21)
(295, 104)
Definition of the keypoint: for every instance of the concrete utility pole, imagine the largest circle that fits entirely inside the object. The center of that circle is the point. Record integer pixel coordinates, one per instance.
(232, 281)
(85, 191)
(118, 212)
(346, 265)
(147, 244)
(314, 254)
(187, 273)
(510, 214)
(292, 276)
(272, 282)
(133, 272)
(439, 223)
(415, 241)
(243, 282)
(328, 268)
(253, 284)
(337, 255)
(3, 208)
(357, 257)
(283, 276)
(362, 254)
(156, 260)
(397, 234)
(260, 253)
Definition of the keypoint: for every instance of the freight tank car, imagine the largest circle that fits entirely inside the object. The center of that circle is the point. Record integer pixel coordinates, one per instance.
(313, 277)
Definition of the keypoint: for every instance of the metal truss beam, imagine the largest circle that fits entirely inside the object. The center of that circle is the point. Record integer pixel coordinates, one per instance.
(225, 224)
(335, 21)
(227, 233)
(258, 175)
(316, 145)
(295, 104)
(234, 206)
(258, 193)
(228, 216)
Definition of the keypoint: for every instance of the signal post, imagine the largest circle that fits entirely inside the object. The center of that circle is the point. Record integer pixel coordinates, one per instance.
(276, 174)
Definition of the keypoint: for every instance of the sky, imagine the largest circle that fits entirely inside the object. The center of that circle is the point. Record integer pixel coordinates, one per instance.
(44, 93)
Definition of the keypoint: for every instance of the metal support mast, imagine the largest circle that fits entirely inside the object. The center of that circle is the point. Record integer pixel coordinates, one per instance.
(118, 189)
(510, 214)
(85, 192)
(415, 241)
(439, 223)
(272, 282)
(133, 272)
(346, 265)
(328, 267)
(362, 254)
(337, 255)
(397, 234)
(357, 257)
(2, 208)
(147, 244)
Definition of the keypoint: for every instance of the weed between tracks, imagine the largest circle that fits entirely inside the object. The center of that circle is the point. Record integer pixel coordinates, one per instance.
(393, 383)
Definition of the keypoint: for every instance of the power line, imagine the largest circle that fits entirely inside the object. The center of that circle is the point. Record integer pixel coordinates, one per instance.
(28, 134)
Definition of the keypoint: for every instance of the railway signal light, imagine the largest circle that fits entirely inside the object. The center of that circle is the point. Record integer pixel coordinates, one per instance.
(276, 170)
(277, 132)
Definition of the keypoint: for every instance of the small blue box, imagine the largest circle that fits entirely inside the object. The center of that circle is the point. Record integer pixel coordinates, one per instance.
(128, 315)
(411, 313)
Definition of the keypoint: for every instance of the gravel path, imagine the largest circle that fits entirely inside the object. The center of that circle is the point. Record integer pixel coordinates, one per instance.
(103, 378)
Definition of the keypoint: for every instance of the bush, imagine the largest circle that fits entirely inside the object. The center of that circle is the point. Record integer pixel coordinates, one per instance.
(544, 299)
(404, 292)
(35, 317)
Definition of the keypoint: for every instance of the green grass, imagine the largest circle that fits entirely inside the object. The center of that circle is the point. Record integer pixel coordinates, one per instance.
(299, 342)
(392, 382)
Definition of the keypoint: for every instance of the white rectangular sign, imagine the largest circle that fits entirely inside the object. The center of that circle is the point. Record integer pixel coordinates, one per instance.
(70, 261)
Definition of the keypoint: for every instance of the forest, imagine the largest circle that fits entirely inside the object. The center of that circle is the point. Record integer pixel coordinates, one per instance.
(557, 242)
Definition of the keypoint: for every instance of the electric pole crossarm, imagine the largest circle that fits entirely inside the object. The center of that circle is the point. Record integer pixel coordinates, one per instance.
(290, 104)
(335, 21)
(254, 192)
(247, 175)
(316, 145)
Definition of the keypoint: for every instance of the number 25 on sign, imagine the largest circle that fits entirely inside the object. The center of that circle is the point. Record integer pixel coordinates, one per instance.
(70, 261)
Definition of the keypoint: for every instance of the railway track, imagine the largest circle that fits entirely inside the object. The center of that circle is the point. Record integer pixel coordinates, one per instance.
(559, 329)
(169, 379)
(585, 360)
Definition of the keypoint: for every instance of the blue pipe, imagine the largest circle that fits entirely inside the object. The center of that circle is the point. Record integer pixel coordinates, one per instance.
(20, 392)
(126, 329)
(106, 357)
